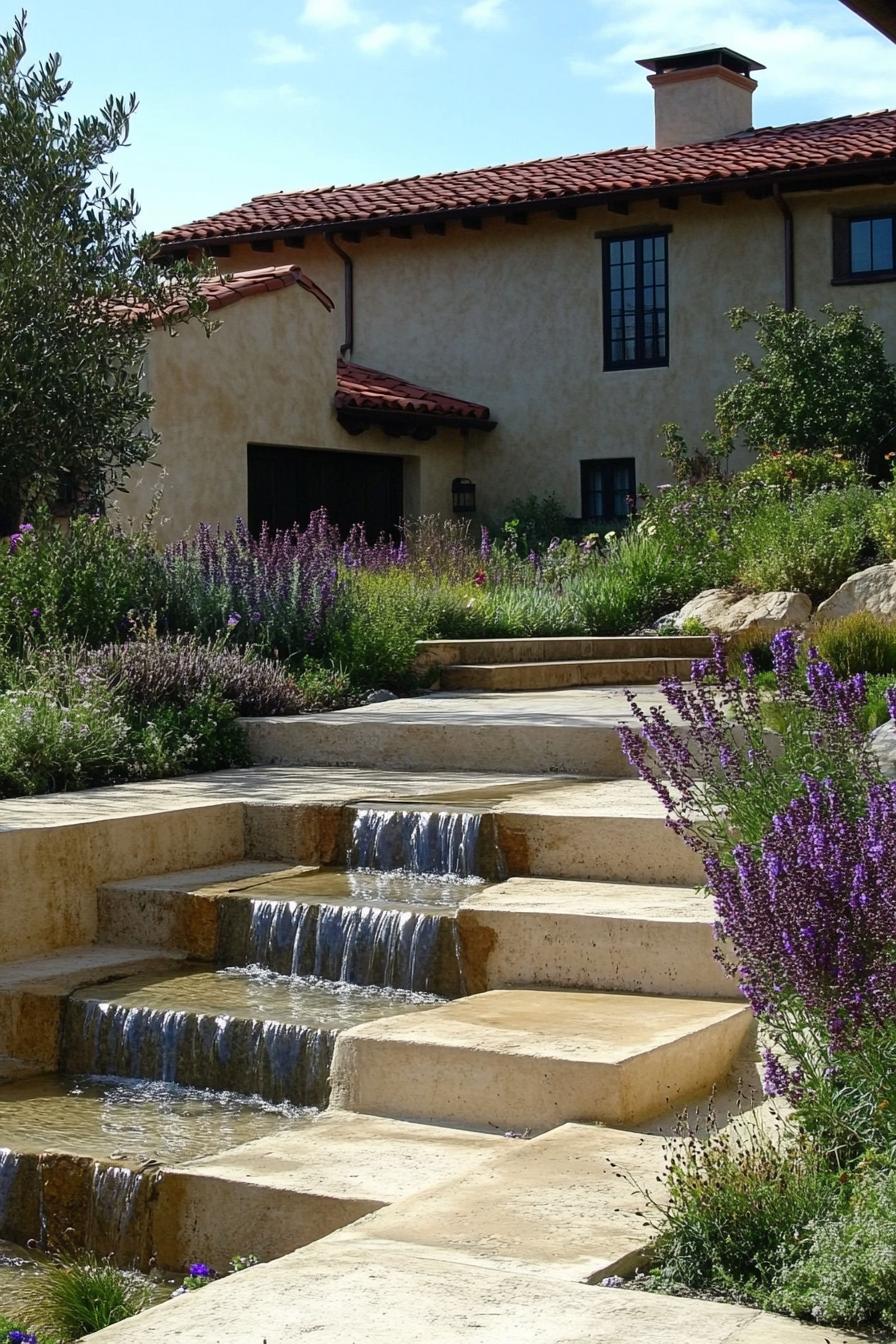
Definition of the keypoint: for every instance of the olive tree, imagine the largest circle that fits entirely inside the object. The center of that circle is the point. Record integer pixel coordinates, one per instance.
(79, 293)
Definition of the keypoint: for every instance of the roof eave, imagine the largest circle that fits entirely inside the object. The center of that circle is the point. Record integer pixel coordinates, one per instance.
(419, 423)
(794, 179)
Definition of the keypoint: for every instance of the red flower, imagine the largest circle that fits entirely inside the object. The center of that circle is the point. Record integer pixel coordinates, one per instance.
(480, 578)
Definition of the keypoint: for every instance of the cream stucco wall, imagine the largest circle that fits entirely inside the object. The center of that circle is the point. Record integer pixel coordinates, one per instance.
(267, 375)
(512, 316)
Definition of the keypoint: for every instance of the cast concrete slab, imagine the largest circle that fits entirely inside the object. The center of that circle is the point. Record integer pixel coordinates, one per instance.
(551, 676)
(432, 653)
(570, 731)
(340, 1293)
(33, 990)
(572, 1204)
(533, 1058)
(596, 935)
(278, 1193)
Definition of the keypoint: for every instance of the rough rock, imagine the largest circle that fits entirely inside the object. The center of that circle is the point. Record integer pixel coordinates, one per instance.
(724, 613)
(883, 745)
(872, 590)
(380, 697)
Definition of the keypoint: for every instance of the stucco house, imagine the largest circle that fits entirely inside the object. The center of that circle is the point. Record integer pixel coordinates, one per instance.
(470, 337)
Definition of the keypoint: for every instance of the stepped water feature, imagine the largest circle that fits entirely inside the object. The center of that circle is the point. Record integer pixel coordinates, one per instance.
(409, 840)
(248, 1031)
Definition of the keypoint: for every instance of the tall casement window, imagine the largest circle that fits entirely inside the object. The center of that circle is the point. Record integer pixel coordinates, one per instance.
(636, 301)
(864, 248)
(608, 489)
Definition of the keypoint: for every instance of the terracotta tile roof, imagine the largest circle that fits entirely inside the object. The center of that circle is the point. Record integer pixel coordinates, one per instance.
(779, 150)
(220, 291)
(359, 388)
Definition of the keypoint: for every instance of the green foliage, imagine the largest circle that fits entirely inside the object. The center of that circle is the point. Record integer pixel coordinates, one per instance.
(810, 545)
(794, 472)
(78, 291)
(698, 524)
(739, 1201)
(882, 524)
(819, 385)
(183, 739)
(846, 1275)
(74, 1298)
(323, 688)
(861, 642)
(692, 625)
(90, 582)
(534, 522)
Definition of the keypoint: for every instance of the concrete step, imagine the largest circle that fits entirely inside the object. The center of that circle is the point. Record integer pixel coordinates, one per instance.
(341, 1292)
(570, 1205)
(517, 1059)
(434, 653)
(615, 936)
(552, 676)
(279, 1193)
(33, 993)
(572, 731)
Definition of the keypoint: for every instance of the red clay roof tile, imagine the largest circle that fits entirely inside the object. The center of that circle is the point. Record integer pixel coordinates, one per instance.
(220, 291)
(802, 147)
(360, 388)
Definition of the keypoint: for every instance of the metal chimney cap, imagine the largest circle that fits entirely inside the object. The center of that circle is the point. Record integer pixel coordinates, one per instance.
(696, 60)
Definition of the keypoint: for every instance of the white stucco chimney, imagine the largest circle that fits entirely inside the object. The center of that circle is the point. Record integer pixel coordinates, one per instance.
(701, 95)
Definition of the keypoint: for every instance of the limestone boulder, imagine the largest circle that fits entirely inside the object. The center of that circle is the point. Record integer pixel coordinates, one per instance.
(882, 741)
(726, 613)
(872, 590)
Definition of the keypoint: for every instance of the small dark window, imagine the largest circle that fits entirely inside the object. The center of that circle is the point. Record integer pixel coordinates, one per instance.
(636, 302)
(608, 488)
(864, 248)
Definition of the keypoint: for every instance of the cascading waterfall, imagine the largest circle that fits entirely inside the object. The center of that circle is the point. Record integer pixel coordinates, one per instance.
(358, 944)
(280, 1061)
(418, 842)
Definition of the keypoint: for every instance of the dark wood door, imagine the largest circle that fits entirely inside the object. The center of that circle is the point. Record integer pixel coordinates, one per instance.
(287, 484)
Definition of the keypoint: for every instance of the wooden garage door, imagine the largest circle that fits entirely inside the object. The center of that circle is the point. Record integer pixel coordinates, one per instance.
(287, 484)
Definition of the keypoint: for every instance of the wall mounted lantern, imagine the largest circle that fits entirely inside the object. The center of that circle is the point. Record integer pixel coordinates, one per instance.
(463, 495)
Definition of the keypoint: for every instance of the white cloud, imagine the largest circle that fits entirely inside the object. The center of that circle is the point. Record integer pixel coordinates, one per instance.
(330, 13)
(277, 95)
(810, 47)
(414, 36)
(485, 14)
(275, 49)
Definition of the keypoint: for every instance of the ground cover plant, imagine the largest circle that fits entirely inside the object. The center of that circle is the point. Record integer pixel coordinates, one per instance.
(798, 840)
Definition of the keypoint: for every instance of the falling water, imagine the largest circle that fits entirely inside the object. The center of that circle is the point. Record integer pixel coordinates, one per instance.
(358, 944)
(417, 842)
(9, 1171)
(280, 1061)
(117, 1219)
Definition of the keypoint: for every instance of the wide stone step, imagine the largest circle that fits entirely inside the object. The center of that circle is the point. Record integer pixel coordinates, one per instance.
(446, 652)
(518, 1059)
(570, 1205)
(571, 731)
(592, 935)
(552, 676)
(284, 1191)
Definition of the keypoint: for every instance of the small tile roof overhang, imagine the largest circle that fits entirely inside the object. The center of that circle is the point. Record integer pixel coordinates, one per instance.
(837, 149)
(220, 291)
(367, 397)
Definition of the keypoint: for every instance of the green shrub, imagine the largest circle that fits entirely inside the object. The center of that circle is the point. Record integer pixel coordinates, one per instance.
(808, 545)
(89, 583)
(846, 1275)
(324, 688)
(696, 523)
(882, 523)
(739, 1202)
(76, 1298)
(792, 472)
(183, 739)
(858, 643)
(534, 522)
(56, 737)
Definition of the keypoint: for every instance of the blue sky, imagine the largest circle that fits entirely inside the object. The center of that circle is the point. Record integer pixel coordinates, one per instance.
(237, 99)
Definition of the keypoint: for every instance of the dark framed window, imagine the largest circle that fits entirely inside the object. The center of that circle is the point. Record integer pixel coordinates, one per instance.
(608, 488)
(864, 248)
(636, 300)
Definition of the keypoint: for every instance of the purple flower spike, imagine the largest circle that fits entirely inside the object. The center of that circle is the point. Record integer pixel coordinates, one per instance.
(201, 1271)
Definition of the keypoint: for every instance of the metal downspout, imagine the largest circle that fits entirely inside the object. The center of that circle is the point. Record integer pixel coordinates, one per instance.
(349, 296)
(789, 285)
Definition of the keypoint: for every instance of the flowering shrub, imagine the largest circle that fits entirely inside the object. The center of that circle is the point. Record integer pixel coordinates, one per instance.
(798, 840)
(155, 672)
